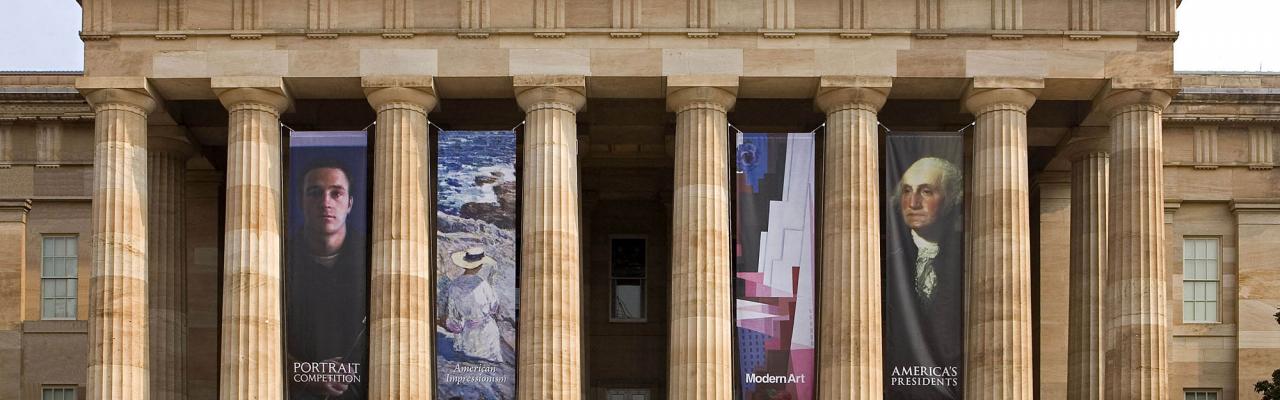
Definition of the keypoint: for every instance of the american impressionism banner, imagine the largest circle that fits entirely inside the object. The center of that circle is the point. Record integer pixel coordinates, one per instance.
(774, 265)
(327, 269)
(476, 265)
(923, 265)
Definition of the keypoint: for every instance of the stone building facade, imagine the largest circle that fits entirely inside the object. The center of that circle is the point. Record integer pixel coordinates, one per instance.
(137, 253)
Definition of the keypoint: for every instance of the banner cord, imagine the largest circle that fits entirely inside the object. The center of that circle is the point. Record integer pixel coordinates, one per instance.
(371, 124)
(735, 128)
(886, 129)
(824, 125)
(282, 125)
(513, 129)
(438, 128)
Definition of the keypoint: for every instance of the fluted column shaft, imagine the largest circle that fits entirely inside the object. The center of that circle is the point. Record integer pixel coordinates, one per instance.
(998, 328)
(1137, 364)
(1089, 179)
(1085, 350)
(550, 353)
(701, 357)
(118, 284)
(251, 366)
(401, 333)
(166, 176)
(851, 356)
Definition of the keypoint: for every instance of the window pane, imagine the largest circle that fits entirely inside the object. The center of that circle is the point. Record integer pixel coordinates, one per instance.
(628, 258)
(628, 299)
(71, 308)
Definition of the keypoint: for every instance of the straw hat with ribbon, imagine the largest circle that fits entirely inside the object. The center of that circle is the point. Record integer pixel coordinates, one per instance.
(472, 258)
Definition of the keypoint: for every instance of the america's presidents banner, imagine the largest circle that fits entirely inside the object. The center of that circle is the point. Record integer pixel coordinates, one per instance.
(923, 265)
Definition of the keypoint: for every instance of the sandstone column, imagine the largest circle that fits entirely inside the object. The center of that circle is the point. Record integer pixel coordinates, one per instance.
(701, 358)
(167, 293)
(401, 330)
(1137, 364)
(850, 362)
(118, 284)
(998, 361)
(550, 353)
(251, 365)
(13, 263)
(1089, 163)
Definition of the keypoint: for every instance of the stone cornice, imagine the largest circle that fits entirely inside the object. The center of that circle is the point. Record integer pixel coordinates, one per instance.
(925, 34)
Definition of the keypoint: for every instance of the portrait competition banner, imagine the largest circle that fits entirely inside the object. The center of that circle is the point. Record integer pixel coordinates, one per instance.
(326, 270)
(774, 265)
(476, 265)
(923, 265)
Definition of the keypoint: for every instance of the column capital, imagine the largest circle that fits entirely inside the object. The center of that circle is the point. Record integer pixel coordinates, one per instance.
(237, 91)
(14, 210)
(1116, 101)
(1256, 211)
(533, 92)
(986, 94)
(1082, 148)
(384, 91)
(170, 146)
(717, 91)
(838, 92)
(130, 91)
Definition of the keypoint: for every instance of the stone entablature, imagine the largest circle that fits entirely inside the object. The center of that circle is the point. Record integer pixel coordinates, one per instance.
(1006, 19)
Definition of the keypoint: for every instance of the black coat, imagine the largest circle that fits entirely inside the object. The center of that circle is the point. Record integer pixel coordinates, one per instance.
(327, 307)
(920, 332)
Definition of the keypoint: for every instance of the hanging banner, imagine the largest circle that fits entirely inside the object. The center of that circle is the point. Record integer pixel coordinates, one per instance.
(923, 265)
(773, 265)
(476, 265)
(327, 268)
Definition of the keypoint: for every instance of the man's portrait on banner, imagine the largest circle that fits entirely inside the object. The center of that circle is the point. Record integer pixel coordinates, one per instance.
(326, 281)
(924, 269)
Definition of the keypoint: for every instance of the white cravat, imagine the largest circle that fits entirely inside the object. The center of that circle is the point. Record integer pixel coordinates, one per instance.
(926, 279)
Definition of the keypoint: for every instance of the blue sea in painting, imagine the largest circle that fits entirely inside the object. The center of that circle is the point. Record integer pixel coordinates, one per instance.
(476, 275)
(464, 156)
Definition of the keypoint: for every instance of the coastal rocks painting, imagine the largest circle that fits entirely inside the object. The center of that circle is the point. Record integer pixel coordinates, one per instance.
(476, 265)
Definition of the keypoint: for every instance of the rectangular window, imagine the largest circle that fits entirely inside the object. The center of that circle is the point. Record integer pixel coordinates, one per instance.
(1200, 280)
(58, 278)
(627, 394)
(58, 393)
(627, 273)
(1201, 394)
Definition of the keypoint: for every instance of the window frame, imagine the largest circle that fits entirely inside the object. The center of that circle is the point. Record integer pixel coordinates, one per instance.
(1217, 393)
(644, 293)
(628, 392)
(75, 390)
(1217, 280)
(73, 276)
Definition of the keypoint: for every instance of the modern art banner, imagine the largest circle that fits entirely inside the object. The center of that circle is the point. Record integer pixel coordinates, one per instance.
(774, 265)
(923, 265)
(476, 265)
(326, 265)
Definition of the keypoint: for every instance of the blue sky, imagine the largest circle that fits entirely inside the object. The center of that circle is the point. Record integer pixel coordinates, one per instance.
(1217, 35)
